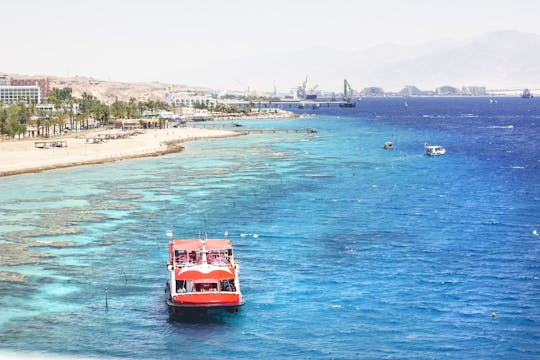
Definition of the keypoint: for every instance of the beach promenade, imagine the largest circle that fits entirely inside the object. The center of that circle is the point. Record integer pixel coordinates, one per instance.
(22, 156)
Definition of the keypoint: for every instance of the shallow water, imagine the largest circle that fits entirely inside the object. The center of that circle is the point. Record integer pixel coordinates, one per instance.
(359, 253)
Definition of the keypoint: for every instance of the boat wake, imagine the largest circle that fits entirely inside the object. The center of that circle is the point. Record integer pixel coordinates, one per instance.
(497, 127)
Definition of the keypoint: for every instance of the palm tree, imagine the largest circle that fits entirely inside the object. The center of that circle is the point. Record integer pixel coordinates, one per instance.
(61, 121)
(3, 120)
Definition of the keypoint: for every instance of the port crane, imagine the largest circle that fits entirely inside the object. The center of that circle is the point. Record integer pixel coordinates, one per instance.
(347, 95)
(301, 90)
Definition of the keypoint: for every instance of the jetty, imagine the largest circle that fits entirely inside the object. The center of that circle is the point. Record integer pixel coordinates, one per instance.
(243, 130)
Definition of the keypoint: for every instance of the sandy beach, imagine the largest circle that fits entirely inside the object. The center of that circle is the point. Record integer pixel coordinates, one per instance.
(22, 156)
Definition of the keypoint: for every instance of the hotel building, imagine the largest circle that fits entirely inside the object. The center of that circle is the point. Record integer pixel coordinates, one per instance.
(29, 94)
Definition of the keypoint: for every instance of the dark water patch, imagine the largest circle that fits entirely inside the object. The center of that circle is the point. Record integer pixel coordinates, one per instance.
(56, 244)
(18, 254)
(12, 277)
(111, 205)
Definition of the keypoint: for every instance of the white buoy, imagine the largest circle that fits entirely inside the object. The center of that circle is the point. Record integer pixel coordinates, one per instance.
(535, 232)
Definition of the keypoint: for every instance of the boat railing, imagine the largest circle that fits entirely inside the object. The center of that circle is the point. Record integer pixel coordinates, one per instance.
(184, 261)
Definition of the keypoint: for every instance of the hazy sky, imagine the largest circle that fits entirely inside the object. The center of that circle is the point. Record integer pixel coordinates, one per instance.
(186, 41)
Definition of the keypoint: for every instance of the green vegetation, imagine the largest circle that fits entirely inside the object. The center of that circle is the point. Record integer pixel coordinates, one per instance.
(79, 113)
(71, 112)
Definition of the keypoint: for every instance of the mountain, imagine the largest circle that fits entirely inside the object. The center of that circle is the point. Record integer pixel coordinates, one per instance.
(503, 59)
(500, 59)
(108, 91)
(495, 60)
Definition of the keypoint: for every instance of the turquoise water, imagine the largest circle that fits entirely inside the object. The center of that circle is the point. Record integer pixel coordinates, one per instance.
(360, 253)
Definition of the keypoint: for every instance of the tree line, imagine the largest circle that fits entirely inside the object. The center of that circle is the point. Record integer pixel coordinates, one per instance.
(71, 112)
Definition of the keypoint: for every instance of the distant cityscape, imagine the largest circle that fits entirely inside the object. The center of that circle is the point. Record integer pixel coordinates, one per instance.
(36, 91)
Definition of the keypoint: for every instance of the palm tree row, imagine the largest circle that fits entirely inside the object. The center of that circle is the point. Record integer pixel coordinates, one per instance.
(71, 112)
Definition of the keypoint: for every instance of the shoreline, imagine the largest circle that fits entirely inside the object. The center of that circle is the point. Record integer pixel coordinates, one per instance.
(21, 156)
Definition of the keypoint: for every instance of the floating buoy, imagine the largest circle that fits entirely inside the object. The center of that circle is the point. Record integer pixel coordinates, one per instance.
(493, 314)
(535, 232)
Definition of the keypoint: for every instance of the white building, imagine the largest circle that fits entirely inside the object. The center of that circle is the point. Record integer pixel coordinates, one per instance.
(9, 94)
(188, 100)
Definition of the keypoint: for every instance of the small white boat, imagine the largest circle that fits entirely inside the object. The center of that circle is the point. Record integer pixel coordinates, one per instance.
(434, 150)
(388, 145)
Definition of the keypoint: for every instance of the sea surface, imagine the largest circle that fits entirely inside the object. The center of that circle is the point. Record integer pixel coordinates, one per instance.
(347, 250)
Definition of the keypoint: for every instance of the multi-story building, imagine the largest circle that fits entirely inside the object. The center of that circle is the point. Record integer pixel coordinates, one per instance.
(474, 90)
(29, 94)
(189, 100)
(4, 80)
(44, 85)
(447, 91)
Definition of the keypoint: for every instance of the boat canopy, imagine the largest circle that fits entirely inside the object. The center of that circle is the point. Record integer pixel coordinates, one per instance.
(197, 245)
(218, 274)
(189, 245)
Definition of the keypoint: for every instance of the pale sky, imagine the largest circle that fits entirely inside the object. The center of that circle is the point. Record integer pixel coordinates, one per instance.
(186, 42)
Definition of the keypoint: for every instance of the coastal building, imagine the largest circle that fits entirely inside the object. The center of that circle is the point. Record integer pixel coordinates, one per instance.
(410, 90)
(188, 100)
(44, 84)
(4, 80)
(45, 107)
(473, 90)
(29, 94)
(447, 91)
(372, 91)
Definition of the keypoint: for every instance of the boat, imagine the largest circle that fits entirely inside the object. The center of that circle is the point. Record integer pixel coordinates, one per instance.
(203, 274)
(526, 94)
(434, 150)
(388, 145)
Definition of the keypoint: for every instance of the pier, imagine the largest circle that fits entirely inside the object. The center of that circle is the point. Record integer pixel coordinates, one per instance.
(241, 129)
(292, 104)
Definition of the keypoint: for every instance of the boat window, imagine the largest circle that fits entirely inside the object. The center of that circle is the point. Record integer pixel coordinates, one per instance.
(227, 285)
(180, 286)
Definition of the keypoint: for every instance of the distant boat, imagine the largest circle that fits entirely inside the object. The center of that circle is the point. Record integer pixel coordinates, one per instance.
(526, 94)
(434, 150)
(492, 101)
(388, 145)
(316, 106)
(301, 106)
(405, 104)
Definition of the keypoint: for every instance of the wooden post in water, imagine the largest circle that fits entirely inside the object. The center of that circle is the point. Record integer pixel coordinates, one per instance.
(107, 298)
